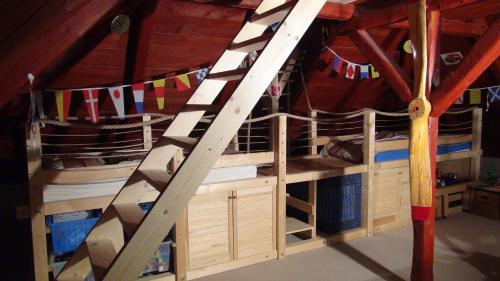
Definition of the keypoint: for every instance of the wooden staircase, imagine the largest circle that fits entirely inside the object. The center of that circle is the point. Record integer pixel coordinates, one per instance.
(124, 239)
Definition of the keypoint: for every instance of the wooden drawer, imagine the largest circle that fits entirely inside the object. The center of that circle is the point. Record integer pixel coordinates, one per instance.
(486, 204)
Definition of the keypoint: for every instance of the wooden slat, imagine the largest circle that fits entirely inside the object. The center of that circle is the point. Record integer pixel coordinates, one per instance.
(157, 178)
(130, 215)
(180, 141)
(293, 225)
(253, 44)
(101, 253)
(229, 75)
(273, 15)
(299, 204)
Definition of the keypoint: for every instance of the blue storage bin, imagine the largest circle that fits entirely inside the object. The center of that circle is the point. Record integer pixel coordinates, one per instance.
(339, 203)
(67, 235)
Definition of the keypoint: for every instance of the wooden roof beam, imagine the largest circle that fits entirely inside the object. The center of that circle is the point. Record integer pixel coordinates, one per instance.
(46, 37)
(452, 27)
(373, 18)
(384, 63)
(332, 10)
(481, 56)
(473, 10)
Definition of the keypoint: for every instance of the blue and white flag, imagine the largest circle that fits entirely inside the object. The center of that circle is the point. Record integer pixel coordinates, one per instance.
(200, 74)
(493, 96)
(363, 74)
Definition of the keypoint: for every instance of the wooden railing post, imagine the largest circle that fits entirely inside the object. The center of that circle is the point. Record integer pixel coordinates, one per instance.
(279, 140)
(475, 164)
(313, 185)
(147, 134)
(369, 160)
(35, 179)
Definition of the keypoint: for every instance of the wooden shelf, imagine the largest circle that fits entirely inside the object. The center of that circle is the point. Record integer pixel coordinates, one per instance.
(294, 225)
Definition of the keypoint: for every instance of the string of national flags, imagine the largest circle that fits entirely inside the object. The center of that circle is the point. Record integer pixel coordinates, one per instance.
(91, 95)
(366, 71)
(474, 96)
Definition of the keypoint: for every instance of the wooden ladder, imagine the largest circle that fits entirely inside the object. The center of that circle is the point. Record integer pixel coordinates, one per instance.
(124, 239)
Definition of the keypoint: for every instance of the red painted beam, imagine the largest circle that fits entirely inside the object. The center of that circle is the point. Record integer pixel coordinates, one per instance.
(385, 64)
(482, 55)
(45, 38)
(452, 27)
(474, 10)
(331, 11)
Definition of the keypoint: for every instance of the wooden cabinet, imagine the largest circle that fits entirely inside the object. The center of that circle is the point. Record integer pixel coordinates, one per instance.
(232, 225)
(486, 202)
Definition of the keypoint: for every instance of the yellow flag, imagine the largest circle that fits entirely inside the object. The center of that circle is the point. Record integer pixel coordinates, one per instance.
(475, 96)
(375, 73)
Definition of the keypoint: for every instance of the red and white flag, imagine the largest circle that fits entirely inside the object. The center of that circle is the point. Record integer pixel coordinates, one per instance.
(351, 70)
(92, 101)
(116, 94)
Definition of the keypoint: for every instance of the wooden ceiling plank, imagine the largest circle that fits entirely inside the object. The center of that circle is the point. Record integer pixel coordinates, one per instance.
(481, 56)
(452, 27)
(45, 39)
(385, 64)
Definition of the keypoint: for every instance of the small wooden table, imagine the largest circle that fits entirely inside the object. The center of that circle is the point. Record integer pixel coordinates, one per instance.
(484, 200)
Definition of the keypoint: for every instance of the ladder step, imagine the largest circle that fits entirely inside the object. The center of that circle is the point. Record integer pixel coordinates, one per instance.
(230, 75)
(180, 141)
(201, 107)
(101, 253)
(157, 178)
(253, 44)
(274, 15)
(130, 215)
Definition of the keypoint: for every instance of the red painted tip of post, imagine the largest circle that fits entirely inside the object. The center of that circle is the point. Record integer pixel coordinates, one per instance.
(420, 213)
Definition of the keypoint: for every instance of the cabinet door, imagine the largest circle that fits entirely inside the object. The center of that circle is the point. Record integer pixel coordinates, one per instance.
(209, 227)
(387, 186)
(254, 221)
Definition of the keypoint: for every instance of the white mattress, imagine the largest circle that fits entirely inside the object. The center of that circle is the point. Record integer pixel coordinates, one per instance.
(59, 192)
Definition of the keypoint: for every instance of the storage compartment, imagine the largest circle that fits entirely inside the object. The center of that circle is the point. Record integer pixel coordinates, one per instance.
(339, 203)
(68, 230)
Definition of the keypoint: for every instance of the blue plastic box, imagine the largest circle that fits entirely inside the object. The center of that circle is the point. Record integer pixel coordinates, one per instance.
(67, 235)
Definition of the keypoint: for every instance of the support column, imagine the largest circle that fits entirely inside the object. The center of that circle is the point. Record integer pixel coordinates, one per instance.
(423, 231)
(475, 164)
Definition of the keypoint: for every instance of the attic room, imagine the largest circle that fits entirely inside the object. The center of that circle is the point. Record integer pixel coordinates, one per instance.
(162, 140)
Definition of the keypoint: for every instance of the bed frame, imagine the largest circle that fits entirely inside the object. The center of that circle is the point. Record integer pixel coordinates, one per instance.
(202, 249)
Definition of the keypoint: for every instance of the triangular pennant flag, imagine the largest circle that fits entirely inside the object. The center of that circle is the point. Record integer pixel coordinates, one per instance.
(363, 74)
(200, 74)
(475, 96)
(337, 64)
(460, 100)
(493, 94)
(275, 26)
(92, 99)
(375, 73)
(138, 91)
(159, 86)
(351, 70)
(63, 101)
(325, 57)
(116, 94)
(182, 82)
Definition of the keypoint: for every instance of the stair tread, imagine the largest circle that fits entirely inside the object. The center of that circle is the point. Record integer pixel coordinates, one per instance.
(253, 44)
(201, 107)
(229, 75)
(273, 15)
(156, 177)
(101, 254)
(130, 215)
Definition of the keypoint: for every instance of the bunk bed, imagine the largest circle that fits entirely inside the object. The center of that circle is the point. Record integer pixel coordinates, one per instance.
(239, 216)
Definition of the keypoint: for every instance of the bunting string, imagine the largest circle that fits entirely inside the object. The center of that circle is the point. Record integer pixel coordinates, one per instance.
(474, 96)
(366, 71)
